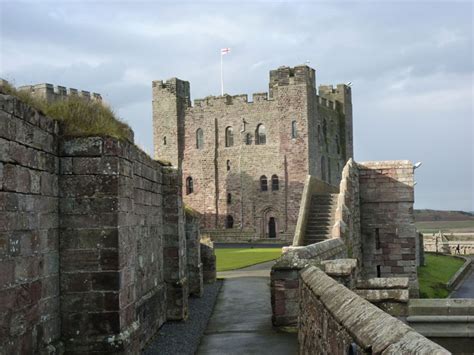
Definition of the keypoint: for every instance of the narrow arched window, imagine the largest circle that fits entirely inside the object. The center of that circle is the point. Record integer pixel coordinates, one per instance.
(228, 165)
(260, 134)
(248, 139)
(229, 137)
(275, 183)
(229, 222)
(319, 134)
(263, 183)
(229, 198)
(325, 129)
(323, 168)
(164, 140)
(189, 185)
(338, 148)
(294, 132)
(199, 138)
(329, 170)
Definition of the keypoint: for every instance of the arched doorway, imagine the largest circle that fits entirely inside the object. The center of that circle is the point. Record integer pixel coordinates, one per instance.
(271, 227)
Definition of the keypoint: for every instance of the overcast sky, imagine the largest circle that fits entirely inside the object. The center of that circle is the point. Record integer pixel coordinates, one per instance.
(411, 65)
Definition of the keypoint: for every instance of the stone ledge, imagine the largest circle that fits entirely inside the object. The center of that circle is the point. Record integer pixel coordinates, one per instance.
(339, 267)
(384, 295)
(383, 283)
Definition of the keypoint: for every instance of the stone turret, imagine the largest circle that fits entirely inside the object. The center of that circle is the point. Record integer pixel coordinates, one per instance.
(170, 100)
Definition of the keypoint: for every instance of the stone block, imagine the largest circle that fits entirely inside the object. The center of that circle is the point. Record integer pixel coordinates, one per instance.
(81, 147)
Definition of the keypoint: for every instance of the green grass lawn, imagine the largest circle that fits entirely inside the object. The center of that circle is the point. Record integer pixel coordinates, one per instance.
(436, 273)
(237, 258)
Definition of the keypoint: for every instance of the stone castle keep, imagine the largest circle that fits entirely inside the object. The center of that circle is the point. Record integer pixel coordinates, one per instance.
(244, 163)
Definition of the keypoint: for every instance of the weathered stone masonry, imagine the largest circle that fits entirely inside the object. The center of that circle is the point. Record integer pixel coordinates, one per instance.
(92, 240)
(304, 134)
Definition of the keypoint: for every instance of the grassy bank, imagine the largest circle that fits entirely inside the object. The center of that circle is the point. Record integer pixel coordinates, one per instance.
(79, 117)
(436, 273)
(237, 258)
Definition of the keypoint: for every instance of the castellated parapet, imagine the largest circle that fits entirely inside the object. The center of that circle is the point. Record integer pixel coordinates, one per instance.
(52, 93)
(244, 162)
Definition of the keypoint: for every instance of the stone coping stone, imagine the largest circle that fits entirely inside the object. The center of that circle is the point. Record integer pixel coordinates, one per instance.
(339, 267)
(384, 295)
(383, 283)
(441, 307)
(373, 329)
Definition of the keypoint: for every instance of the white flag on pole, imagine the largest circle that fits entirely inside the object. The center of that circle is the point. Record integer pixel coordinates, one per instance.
(224, 51)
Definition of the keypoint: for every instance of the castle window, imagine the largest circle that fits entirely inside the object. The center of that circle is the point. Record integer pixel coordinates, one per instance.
(199, 138)
(229, 137)
(338, 148)
(294, 132)
(323, 168)
(275, 183)
(164, 140)
(377, 238)
(329, 170)
(189, 185)
(325, 130)
(228, 165)
(229, 222)
(319, 134)
(260, 135)
(229, 198)
(263, 183)
(248, 139)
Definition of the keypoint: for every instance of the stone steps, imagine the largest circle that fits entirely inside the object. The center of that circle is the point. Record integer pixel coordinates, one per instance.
(320, 218)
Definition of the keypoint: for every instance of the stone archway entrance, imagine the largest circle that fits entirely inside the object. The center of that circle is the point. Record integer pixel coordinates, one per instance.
(271, 227)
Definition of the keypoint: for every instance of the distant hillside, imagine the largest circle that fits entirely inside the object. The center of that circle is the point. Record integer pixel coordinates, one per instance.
(435, 215)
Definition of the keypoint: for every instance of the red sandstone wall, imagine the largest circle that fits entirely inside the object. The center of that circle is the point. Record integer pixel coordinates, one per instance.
(29, 258)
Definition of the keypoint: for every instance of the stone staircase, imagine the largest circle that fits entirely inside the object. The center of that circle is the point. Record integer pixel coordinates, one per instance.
(320, 218)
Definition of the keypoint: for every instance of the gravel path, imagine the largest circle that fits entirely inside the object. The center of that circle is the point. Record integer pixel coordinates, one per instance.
(183, 337)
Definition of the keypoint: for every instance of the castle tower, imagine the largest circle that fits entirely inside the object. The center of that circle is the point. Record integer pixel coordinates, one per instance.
(342, 94)
(170, 100)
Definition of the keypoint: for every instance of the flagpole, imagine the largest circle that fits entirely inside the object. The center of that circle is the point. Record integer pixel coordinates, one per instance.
(222, 77)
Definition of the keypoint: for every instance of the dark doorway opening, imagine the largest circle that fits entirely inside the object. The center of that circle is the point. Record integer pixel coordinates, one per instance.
(272, 228)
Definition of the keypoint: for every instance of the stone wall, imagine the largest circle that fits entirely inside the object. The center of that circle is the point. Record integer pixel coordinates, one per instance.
(347, 218)
(284, 277)
(448, 322)
(208, 258)
(388, 231)
(29, 255)
(93, 252)
(334, 320)
(193, 255)
(111, 244)
(448, 244)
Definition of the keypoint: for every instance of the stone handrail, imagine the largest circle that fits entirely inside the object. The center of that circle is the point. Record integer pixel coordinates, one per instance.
(346, 221)
(458, 276)
(335, 320)
(312, 186)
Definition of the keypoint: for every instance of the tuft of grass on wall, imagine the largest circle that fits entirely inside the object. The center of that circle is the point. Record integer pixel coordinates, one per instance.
(79, 117)
(434, 276)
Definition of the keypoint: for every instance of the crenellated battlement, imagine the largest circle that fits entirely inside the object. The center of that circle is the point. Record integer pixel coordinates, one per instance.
(174, 86)
(284, 76)
(210, 101)
(325, 102)
(53, 93)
